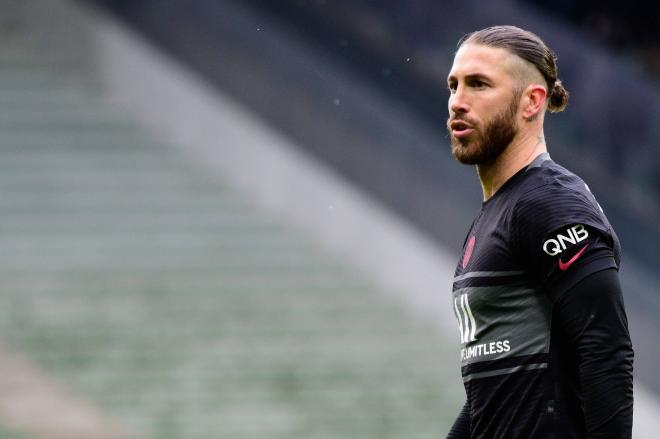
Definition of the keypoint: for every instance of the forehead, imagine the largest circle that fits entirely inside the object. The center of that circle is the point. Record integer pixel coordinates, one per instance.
(477, 59)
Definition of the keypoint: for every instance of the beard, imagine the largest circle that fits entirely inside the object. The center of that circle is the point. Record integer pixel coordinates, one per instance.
(483, 147)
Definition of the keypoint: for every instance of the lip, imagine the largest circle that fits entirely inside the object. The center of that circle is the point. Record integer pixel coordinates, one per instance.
(460, 128)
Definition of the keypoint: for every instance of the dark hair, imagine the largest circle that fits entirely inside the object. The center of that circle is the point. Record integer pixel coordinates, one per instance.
(529, 47)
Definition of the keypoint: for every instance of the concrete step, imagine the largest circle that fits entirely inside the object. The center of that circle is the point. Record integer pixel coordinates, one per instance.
(32, 159)
(87, 115)
(126, 138)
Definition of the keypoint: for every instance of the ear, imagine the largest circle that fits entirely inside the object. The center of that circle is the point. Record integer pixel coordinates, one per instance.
(533, 101)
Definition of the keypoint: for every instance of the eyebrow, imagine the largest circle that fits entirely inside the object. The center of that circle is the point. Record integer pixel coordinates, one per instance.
(480, 76)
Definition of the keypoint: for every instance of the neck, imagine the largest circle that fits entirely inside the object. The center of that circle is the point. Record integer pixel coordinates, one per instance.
(520, 153)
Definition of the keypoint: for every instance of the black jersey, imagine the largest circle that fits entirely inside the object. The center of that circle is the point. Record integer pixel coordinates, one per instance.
(538, 236)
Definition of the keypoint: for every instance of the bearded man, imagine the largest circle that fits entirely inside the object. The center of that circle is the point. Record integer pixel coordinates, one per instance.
(545, 348)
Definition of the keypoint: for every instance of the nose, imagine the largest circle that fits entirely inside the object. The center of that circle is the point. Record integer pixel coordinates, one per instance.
(458, 102)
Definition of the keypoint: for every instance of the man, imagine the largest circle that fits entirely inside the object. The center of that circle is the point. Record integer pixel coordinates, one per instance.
(545, 349)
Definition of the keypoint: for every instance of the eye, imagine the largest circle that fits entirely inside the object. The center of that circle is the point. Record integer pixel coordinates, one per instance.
(452, 87)
(478, 83)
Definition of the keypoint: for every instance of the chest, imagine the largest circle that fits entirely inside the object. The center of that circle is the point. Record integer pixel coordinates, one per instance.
(488, 246)
(499, 309)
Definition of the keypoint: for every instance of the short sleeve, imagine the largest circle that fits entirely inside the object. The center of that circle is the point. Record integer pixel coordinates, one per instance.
(561, 236)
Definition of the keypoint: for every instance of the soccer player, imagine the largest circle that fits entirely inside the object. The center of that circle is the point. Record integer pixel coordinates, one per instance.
(545, 349)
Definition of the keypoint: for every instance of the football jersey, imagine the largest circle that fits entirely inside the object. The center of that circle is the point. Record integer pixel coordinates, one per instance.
(540, 234)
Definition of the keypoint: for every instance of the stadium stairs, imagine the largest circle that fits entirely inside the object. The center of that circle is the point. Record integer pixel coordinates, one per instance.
(146, 286)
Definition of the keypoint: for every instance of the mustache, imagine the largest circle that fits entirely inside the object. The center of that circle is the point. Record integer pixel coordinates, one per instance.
(466, 120)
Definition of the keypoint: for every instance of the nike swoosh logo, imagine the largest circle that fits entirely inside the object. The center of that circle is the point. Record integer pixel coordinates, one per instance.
(564, 266)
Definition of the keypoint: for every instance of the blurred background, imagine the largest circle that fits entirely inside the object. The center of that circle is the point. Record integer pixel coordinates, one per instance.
(240, 219)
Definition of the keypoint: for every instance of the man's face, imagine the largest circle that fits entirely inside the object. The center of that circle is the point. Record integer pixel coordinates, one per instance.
(483, 105)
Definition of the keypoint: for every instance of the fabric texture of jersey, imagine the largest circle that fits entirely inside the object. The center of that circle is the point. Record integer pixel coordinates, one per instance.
(538, 236)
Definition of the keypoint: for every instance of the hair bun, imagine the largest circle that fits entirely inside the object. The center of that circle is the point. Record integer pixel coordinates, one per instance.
(558, 98)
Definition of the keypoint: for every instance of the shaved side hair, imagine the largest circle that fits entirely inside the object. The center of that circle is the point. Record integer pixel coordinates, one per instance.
(532, 52)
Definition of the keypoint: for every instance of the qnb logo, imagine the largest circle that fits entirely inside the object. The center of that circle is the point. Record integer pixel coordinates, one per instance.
(466, 323)
(573, 235)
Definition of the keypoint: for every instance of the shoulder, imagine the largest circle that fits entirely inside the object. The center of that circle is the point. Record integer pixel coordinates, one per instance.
(559, 231)
(552, 197)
